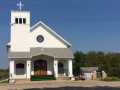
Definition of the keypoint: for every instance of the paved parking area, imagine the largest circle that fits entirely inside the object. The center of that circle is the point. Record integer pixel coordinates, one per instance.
(62, 85)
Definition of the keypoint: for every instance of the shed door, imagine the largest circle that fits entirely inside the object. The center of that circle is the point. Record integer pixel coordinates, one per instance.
(88, 75)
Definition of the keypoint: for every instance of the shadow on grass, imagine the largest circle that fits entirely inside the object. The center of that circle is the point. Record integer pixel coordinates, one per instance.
(75, 88)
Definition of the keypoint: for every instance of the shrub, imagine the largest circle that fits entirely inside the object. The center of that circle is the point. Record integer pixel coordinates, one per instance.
(110, 79)
(7, 81)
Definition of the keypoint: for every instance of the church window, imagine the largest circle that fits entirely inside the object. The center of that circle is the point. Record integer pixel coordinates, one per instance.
(37, 65)
(19, 65)
(16, 20)
(20, 20)
(43, 65)
(60, 64)
(24, 20)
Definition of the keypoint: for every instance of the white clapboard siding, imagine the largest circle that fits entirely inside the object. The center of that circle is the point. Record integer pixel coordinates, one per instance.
(20, 38)
(50, 40)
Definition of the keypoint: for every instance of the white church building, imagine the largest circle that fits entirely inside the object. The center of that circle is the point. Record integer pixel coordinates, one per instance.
(36, 50)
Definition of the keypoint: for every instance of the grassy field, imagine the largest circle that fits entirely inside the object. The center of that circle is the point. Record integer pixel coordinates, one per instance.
(4, 74)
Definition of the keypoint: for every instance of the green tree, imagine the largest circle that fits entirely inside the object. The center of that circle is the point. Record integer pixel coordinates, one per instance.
(78, 61)
(108, 62)
(100, 59)
(91, 59)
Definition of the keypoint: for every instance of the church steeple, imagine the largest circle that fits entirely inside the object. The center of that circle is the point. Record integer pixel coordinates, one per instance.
(20, 30)
(20, 17)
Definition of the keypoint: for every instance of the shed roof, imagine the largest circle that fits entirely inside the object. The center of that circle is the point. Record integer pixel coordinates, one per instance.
(89, 69)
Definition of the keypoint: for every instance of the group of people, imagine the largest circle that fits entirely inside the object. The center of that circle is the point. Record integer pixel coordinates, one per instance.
(81, 76)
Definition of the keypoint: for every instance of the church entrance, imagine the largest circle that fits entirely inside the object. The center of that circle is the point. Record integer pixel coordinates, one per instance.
(40, 67)
(20, 70)
(60, 69)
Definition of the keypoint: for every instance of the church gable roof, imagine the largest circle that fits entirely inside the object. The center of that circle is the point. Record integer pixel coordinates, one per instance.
(51, 31)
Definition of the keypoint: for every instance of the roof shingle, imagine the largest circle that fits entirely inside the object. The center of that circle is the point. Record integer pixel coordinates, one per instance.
(56, 52)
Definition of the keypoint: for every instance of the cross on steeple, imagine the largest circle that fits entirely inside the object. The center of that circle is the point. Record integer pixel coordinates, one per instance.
(20, 5)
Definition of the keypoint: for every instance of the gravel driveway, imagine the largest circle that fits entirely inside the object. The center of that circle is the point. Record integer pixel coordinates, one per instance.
(62, 85)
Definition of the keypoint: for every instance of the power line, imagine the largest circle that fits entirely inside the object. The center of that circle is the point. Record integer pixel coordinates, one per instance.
(3, 60)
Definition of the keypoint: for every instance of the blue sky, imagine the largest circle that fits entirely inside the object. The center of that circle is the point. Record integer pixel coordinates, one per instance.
(86, 24)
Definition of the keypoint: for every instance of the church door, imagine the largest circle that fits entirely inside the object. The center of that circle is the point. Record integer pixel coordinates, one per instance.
(60, 69)
(40, 67)
(20, 70)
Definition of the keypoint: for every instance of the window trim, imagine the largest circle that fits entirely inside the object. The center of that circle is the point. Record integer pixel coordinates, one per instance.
(23, 20)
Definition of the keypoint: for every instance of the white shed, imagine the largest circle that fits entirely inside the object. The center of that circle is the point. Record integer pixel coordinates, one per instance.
(88, 71)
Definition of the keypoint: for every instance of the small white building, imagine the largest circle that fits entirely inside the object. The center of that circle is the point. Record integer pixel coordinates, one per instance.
(36, 50)
(88, 71)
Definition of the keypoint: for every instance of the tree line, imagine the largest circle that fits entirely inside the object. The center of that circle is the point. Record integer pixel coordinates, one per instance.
(108, 62)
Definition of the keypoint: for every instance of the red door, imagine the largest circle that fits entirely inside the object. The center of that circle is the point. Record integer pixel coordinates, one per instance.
(40, 67)
(43, 68)
(36, 68)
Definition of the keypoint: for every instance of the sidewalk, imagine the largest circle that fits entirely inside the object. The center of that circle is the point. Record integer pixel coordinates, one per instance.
(57, 81)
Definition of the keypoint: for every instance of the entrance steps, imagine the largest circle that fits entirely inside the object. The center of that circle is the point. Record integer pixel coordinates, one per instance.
(62, 78)
(42, 77)
(21, 80)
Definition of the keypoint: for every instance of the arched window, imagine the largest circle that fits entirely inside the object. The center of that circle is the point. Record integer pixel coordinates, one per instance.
(19, 65)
